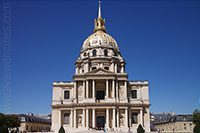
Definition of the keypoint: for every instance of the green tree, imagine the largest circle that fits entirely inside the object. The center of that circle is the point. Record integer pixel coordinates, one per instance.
(197, 128)
(3, 124)
(140, 129)
(12, 121)
(61, 130)
(196, 121)
(196, 117)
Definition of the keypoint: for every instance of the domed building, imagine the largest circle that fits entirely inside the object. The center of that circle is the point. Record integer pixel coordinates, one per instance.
(100, 97)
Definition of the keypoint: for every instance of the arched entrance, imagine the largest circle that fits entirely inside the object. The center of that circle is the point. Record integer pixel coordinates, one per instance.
(100, 122)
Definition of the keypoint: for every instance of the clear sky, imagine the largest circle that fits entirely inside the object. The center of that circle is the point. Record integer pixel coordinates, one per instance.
(159, 39)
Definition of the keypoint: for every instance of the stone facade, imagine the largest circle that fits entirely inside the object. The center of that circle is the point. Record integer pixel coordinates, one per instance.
(31, 123)
(174, 123)
(100, 95)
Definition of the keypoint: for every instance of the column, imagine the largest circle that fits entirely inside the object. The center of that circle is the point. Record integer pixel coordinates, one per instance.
(93, 88)
(75, 92)
(117, 118)
(122, 68)
(113, 88)
(71, 118)
(112, 66)
(87, 89)
(59, 118)
(126, 117)
(130, 115)
(117, 90)
(83, 117)
(86, 67)
(93, 118)
(114, 119)
(74, 118)
(87, 118)
(83, 89)
(107, 89)
(141, 117)
(115, 68)
(107, 119)
(125, 84)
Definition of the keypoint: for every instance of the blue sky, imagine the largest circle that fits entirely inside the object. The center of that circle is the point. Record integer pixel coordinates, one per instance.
(159, 39)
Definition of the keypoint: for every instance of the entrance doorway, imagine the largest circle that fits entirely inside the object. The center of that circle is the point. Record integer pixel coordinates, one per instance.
(100, 122)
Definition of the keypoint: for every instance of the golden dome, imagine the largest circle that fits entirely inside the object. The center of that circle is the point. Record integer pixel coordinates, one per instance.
(100, 37)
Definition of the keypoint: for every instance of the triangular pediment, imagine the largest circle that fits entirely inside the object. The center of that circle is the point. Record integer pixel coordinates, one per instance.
(100, 71)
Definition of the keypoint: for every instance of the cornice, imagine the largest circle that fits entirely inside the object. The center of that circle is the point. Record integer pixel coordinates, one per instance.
(98, 105)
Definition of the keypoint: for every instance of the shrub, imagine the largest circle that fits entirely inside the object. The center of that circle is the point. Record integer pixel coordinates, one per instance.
(140, 129)
(61, 130)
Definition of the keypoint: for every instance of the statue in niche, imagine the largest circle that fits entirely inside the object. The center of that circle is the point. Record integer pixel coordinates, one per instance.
(121, 120)
(79, 120)
(79, 91)
(121, 92)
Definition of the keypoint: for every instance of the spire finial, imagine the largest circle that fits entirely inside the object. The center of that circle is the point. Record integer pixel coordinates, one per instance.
(99, 9)
(99, 23)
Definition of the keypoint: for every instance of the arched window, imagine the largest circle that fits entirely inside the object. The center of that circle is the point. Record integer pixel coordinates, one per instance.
(94, 52)
(106, 52)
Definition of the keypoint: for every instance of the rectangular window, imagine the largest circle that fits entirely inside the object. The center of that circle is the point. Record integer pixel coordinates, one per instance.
(134, 94)
(134, 118)
(66, 95)
(66, 118)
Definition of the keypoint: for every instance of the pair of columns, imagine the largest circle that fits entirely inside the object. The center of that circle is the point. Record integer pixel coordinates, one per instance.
(115, 89)
(85, 119)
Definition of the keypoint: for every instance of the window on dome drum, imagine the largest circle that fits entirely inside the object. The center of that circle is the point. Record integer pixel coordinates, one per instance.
(106, 52)
(94, 52)
(94, 68)
(106, 68)
(134, 119)
(115, 54)
(66, 95)
(66, 118)
(134, 94)
(85, 54)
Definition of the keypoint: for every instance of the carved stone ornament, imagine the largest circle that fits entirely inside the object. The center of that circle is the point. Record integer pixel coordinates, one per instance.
(79, 91)
(121, 92)
(79, 120)
(121, 120)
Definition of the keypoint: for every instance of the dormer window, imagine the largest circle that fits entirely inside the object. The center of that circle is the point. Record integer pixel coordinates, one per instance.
(94, 52)
(106, 52)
